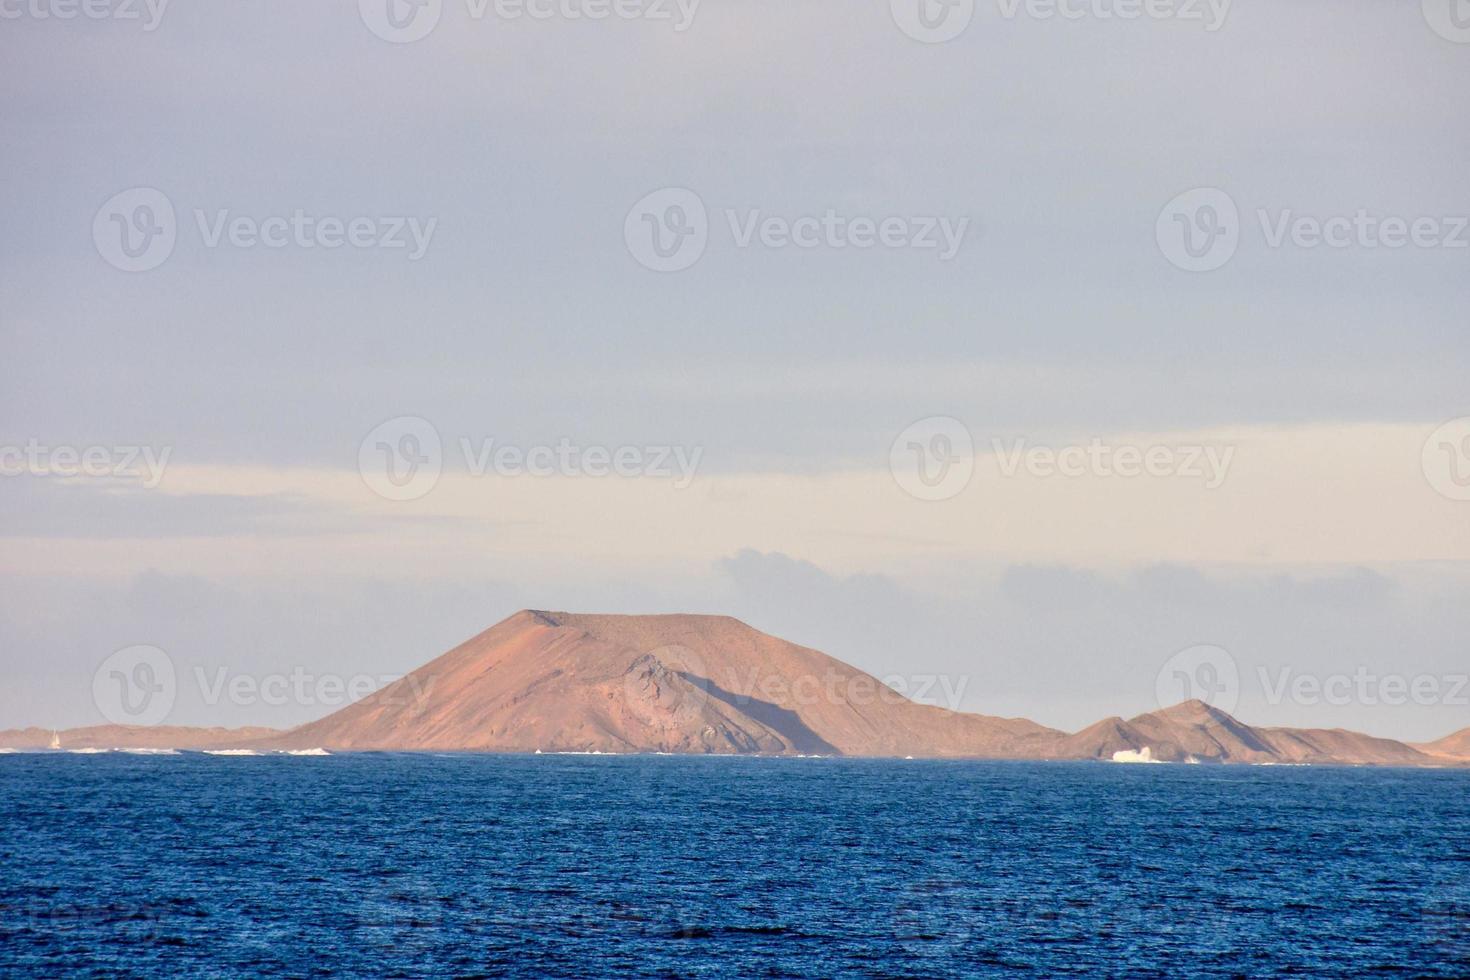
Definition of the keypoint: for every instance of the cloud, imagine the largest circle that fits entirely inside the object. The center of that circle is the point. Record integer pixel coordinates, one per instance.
(528, 317)
(1314, 495)
(49, 507)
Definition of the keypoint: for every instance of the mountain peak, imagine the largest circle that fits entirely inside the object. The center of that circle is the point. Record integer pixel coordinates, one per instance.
(582, 620)
(1191, 712)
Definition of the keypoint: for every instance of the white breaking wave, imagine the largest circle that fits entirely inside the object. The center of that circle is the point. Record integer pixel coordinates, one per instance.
(317, 751)
(1144, 754)
(7, 751)
(230, 752)
(150, 751)
(87, 751)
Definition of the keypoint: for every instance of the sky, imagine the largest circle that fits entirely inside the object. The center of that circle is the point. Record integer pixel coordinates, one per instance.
(855, 324)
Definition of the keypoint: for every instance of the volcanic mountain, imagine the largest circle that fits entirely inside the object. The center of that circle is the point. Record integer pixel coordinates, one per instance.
(703, 684)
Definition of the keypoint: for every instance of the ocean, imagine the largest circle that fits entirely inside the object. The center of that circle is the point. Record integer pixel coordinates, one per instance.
(399, 865)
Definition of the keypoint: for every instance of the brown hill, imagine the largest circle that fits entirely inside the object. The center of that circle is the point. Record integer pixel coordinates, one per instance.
(1339, 746)
(1453, 747)
(1191, 730)
(703, 684)
(1098, 741)
(1195, 730)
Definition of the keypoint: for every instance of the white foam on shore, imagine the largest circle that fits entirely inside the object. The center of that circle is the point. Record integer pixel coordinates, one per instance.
(1144, 755)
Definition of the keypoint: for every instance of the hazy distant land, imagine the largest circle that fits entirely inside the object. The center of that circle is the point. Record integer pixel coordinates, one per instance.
(688, 684)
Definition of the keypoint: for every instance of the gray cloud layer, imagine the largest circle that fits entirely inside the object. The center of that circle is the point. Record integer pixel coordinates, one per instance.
(527, 320)
(530, 141)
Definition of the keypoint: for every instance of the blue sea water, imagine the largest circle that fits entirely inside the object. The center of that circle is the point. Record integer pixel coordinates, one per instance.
(554, 866)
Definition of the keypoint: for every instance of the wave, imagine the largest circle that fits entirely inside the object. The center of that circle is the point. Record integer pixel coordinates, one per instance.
(230, 752)
(129, 750)
(1144, 754)
(316, 751)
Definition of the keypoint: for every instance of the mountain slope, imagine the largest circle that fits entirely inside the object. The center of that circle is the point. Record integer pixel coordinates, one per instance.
(1454, 747)
(681, 683)
(1195, 730)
